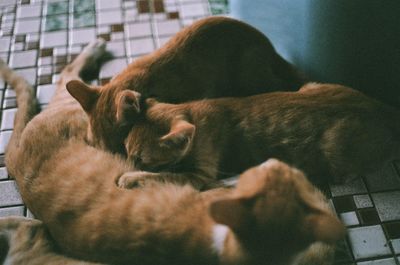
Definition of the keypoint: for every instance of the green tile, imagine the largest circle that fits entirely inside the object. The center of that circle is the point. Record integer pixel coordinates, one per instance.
(83, 5)
(56, 22)
(57, 8)
(84, 19)
(219, 6)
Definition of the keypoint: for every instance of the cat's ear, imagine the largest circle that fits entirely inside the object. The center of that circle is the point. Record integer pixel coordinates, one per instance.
(127, 104)
(150, 102)
(325, 227)
(180, 136)
(231, 212)
(83, 93)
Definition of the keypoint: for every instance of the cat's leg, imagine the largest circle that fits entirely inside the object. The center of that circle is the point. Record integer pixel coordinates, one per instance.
(317, 254)
(136, 179)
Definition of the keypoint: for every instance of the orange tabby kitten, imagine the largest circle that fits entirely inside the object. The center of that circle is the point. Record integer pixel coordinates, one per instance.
(70, 186)
(328, 131)
(214, 57)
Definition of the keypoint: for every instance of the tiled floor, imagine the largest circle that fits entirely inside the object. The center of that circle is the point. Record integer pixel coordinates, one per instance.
(38, 37)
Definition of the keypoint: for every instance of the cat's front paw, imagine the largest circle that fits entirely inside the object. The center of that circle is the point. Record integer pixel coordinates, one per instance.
(135, 179)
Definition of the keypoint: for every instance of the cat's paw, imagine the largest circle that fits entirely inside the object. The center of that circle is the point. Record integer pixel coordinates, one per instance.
(135, 179)
(95, 48)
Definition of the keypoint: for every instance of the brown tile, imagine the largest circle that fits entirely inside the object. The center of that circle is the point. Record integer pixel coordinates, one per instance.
(158, 6)
(173, 15)
(58, 68)
(44, 80)
(143, 6)
(32, 45)
(104, 81)
(46, 52)
(117, 27)
(20, 38)
(2, 161)
(106, 37)
(61, 59)
(25, 2)
(72, 57)
(393, 230)
(344, 204)
(368, 216)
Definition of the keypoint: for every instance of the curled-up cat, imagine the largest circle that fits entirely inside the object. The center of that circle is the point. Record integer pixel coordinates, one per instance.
(26, 241)
(214, 57)
(273, 217)
(328, 131)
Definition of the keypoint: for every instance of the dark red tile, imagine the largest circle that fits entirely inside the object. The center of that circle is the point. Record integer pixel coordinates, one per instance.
(393, 230)
(25, 2)
(44, 80)
(173, 15)
(344, 204)
(158, 6)
(143, 6)
(32, 45)
(58, 68)
(61, 59)
(106, 37)
(73, 56)
(46, 52)
(368, 216)
(2, 161)
(117, 27)
(10, 103)
(20, 38)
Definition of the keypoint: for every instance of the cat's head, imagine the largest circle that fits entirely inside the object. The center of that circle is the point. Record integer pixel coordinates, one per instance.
(159, 140)
(111, 113)
(275, 213)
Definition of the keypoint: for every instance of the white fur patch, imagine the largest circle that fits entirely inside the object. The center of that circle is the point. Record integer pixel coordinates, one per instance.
(219, 235)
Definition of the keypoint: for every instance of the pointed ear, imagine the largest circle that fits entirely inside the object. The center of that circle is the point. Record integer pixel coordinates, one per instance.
(325, 227)
(128, 105)
(230, 212)
(150, 102)
(180, 136)
(84, 94)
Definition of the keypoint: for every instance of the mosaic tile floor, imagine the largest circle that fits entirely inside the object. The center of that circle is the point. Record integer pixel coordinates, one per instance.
(38, 37)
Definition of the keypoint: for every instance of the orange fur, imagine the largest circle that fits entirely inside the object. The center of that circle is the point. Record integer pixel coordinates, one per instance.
(329, 131)
(214, 57)
(69, 185)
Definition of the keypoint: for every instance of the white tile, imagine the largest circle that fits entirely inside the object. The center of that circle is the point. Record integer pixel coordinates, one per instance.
(107, 4)
(349, 218)
(193, 10)
(9, 195)
(23, 59)
(82, 36)
(352, 187)
(3, 173)
(25, 11)
(4, 43)
(362, 201)
(117, 36)
(368, 242)
(19, 46)
(141, 46)
(117, 48)
(45, 70)
(109, 17)
(51, 39)
(7, 120)
(44, 60)
(168, 27)
(389, 261)
(29, 74)
(4, 138)
(163, 40)
(27, 26)
(396, 245)
(31, 37)
(10, 93)
(45, 93)
(12, 211)
(141, 29)
(113, 67)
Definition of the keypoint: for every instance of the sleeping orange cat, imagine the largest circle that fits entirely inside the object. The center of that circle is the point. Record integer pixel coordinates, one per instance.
(329, 131)
(214, 57)
(273, 217)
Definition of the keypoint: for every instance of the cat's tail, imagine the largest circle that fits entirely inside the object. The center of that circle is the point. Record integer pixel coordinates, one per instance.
(27, 104)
